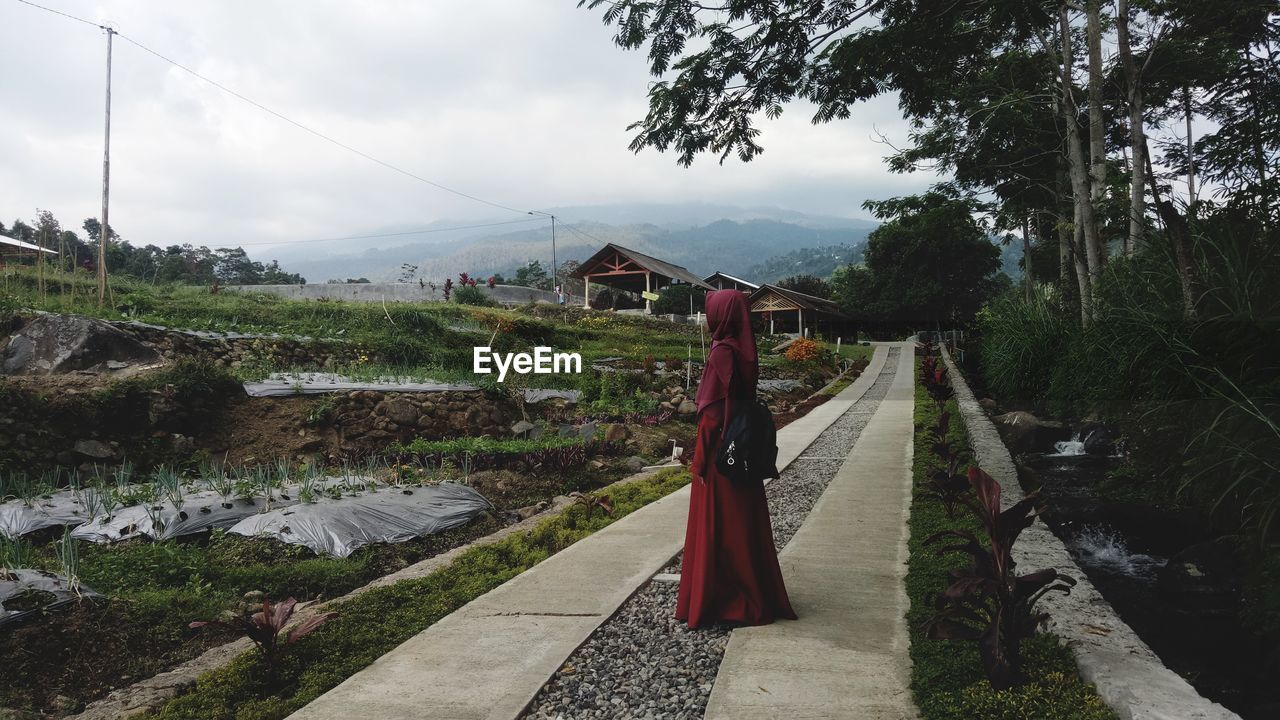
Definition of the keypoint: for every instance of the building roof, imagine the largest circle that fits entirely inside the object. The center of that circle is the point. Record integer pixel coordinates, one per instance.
(731, 278)
(14, 242)
(647, 262)
(799, 299)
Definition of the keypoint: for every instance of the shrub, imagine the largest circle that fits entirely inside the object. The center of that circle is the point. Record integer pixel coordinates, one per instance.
(803, 350)
(472, 295)
(266, 627)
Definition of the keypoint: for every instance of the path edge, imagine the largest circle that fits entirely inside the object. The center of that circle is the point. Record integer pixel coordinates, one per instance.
(1129, 677)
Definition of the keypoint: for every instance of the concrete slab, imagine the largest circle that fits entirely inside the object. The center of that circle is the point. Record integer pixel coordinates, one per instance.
(489, 658)
(846, 657)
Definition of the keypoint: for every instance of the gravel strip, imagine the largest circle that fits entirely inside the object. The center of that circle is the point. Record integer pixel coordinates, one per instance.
(643, 663)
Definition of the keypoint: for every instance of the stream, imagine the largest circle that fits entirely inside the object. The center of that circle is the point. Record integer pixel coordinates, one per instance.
(1163, 573)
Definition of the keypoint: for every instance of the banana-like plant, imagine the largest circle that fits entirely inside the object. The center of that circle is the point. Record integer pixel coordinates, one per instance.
(989, 602)
(266, 628)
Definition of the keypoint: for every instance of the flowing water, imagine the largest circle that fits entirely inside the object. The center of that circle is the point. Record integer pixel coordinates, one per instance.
(1124, 548)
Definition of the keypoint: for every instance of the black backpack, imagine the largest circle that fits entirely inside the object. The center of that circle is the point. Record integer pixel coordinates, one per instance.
(749, 448)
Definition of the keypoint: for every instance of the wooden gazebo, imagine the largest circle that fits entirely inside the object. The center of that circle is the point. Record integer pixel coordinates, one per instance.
(789, 311)
(623, 269)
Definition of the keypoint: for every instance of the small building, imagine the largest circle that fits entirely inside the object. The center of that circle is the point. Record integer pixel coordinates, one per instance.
(14, 249)
(788, 311)
(624, 269)
(722, 281)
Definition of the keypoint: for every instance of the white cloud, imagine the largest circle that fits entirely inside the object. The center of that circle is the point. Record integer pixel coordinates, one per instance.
(525, 103)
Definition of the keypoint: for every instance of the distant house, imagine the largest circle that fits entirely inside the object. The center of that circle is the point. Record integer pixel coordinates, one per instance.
(12, 248)
(788, 311)
(624, 269)
(721, 281)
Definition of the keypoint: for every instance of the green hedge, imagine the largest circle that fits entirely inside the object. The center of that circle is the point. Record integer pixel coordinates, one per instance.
(947, 679)
(377, 621)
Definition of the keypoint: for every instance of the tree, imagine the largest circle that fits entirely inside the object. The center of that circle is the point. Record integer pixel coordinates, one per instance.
(807, 284)
(534, 276)
(930, 264)
(675, 300)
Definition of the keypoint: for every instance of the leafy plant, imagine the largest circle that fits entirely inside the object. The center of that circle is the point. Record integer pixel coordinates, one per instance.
(591, 502)
(266, 627)
(803, 350)
(949, 486)
(68, 551)
(15, 553)
(988, 602)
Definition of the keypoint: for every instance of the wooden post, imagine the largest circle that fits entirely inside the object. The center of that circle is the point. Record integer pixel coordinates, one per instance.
(586, 291)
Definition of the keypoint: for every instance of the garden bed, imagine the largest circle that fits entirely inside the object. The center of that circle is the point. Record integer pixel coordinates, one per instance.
(947, 678)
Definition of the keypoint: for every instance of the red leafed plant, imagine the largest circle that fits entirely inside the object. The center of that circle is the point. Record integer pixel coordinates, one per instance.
(492, 281)
(988, 601)
(266, 626)
(448, 288)
(591, 502)
(465, 280)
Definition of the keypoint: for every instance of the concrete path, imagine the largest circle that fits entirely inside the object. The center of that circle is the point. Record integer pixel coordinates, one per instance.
(488, 659)
(846, 657)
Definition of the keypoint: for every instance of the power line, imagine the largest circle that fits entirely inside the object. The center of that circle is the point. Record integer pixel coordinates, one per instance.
(395, 234)
(285, 118)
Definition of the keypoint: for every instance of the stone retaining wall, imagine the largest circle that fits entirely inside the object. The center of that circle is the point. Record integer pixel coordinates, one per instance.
(234, 351)
(1129, 677)
(394, 292)
(369, 418)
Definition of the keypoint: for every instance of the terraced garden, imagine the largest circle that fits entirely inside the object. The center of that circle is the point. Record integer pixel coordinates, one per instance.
(142, 488)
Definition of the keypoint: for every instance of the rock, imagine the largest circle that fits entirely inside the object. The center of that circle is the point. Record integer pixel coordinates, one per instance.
(1023, 432)
(52, 344)
(95, 449)
(635, 463)
(1204, 576)
(587, 431)
(596, 464)
(522, 427)
(567, 431)
(1098, 440)
(116, 365)
(617, 433)
(991, 406)
(401, 412)
(688, 407)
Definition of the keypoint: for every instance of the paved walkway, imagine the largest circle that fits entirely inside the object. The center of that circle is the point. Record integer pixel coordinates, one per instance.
(489, 659)
(846, 657)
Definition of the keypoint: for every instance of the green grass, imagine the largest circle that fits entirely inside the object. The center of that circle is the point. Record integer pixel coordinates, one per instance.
(374, 623)
(946, 676)
(415, 339)
(853, 351)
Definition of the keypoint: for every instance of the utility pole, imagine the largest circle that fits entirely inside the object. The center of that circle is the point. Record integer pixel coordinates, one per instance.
(104, 233)
(555, 273)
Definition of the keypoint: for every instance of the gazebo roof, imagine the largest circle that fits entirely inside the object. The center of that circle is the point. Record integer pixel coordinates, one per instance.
(731, 278)
(772, 297)
(614, 264)
(13, 242)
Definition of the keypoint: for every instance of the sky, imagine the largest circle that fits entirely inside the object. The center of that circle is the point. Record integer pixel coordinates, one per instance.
(521, 102)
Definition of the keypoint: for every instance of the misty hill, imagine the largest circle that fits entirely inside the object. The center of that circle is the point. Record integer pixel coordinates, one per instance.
(734, 246)
(819, 261)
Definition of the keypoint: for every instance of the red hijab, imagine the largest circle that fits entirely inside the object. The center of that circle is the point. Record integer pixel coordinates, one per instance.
(729, 320)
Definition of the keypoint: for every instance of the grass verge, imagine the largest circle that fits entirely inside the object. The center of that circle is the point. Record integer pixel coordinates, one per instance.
(374, 623)
(947, 680)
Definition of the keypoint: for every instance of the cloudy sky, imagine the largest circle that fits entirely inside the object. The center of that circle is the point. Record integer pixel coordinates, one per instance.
(524, 102)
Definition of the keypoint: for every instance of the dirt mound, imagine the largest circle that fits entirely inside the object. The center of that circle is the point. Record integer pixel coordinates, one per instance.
(52, 344)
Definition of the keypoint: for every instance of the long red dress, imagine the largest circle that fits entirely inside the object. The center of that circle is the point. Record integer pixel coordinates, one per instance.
(730, 570)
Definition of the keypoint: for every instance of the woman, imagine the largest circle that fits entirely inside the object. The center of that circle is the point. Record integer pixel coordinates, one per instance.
(730, 572)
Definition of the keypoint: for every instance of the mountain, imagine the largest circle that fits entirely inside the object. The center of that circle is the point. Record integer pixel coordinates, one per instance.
(819, 261)
(697, 236)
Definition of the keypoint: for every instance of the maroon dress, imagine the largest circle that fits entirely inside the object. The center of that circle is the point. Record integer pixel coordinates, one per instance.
(730, 571)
